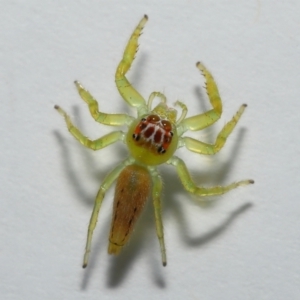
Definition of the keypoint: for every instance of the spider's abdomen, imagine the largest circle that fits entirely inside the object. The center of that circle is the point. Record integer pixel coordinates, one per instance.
(152, 140)
(132, 191)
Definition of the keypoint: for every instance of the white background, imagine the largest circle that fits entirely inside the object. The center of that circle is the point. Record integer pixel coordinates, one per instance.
(243, 246)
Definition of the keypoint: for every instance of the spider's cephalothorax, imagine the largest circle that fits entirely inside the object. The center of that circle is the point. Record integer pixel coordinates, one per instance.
(152, 139)
(153, 133)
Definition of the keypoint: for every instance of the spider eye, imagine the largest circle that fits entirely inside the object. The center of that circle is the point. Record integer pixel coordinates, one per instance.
(142, 126)
(153, 119)
(143, 119)
(167, 125)
(136, 137)
(161, 150)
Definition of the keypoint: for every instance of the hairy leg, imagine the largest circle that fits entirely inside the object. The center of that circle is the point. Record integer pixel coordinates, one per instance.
(206, 119)
(127, 91)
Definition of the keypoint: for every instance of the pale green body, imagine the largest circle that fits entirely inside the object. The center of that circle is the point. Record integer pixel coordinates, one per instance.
(141, 155)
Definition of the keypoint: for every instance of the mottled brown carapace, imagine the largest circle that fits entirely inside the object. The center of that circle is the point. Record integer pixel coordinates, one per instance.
(132, 191)
(154, 132)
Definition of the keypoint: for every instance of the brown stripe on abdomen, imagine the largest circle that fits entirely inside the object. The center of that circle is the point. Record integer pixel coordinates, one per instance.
(132, 191)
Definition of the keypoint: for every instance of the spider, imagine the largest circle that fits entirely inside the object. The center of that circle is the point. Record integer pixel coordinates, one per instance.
(152, 139)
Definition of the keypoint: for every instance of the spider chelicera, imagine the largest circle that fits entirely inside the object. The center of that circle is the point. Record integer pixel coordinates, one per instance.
(152, 139)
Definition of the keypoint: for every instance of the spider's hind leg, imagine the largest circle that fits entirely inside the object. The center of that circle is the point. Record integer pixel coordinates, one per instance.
(107, 182)
(156, 194)
(192, 188)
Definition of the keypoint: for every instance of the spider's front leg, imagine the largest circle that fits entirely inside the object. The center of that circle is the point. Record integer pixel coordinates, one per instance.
(206, 119)
(127, 91)
(98, 144)
(192, 188)
(211, 149)
(103, 118)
